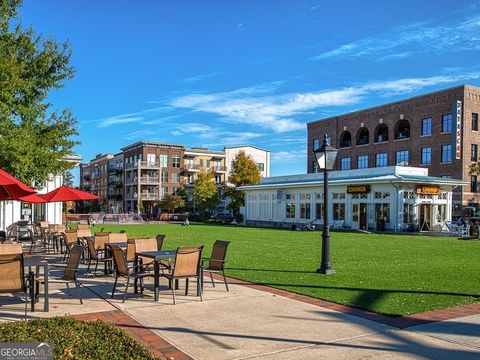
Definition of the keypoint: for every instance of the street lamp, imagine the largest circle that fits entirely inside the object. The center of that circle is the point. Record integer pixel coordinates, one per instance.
(326, 156)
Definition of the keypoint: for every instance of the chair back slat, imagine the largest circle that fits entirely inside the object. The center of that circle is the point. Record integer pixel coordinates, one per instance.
(187, 261)
(11, 273)
(84, 233)
(219, 252)
(70, 237)
(142, 245)
(101, 238)
(43, 224)
(91, 249)
(9, 249)
(130, 250)
(160, 238)
(73, 263)
(148, 244)
(117, 238)
(120, 261)
(83, 227)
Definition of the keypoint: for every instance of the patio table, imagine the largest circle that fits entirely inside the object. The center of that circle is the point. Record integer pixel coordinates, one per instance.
(156, 256)
(37, 262)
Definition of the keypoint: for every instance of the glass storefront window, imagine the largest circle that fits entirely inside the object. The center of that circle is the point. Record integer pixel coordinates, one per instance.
(408, 214)
(355, 212)
(338, 211)
(305, 211)
(319, 211)
(382, 212)
(290, 210)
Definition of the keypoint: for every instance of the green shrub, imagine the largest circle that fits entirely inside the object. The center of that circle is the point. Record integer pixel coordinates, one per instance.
(74, 339)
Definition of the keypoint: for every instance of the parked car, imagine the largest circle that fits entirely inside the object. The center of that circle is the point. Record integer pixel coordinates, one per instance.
(222, 217)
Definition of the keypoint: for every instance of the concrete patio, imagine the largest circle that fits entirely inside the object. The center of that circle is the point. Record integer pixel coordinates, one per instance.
(250, 323)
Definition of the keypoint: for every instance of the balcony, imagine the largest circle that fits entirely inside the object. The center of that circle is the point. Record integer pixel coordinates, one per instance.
(147, 196)
(192, 168)
(219, 169)
(86, 177)
(149, 165)
(131, 180)
(117, 197)
(149, 180)
(115, 169)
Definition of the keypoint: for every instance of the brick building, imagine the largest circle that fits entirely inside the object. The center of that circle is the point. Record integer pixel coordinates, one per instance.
(145, 171)
(438, 131)
(152, 170)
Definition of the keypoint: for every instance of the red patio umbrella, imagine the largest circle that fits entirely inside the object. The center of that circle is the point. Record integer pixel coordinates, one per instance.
(33, 199)
(11, 188)
(67, 193)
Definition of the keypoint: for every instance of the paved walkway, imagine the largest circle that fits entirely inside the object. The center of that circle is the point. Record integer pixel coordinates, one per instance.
(257, 322)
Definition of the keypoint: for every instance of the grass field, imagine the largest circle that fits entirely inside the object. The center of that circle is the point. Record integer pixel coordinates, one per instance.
(389, 274)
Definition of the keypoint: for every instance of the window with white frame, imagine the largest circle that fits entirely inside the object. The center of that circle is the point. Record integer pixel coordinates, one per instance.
(338, 211)
(290, 210)
(163, 160)
(305, 206)
(382, 212)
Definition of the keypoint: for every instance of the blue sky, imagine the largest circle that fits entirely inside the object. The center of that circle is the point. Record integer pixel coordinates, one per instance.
(215, 73)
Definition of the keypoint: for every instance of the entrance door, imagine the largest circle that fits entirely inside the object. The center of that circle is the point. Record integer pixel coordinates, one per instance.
(363, 216)
(425, 221)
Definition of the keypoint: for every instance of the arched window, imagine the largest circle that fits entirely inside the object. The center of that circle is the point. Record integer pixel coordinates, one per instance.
(362, 136)
(345, 139)
(402, 129)
(381, 133)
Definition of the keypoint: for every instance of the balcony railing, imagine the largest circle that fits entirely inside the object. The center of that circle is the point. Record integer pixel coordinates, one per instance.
(115, 169)
(149, 164)
(192, 167)
(147, 196)
(149, 180)
(219, 169)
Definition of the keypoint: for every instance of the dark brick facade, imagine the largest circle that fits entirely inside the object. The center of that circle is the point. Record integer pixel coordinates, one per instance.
(393, 115)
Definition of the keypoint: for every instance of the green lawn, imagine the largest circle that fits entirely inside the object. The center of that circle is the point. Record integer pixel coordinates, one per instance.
(388, 274)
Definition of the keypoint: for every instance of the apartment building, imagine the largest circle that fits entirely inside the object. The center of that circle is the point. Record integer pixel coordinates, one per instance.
(259, 155)
(99, 175)
(115, 184)
(196, 160)
(152, 170)
(146, 171)
(438, 131)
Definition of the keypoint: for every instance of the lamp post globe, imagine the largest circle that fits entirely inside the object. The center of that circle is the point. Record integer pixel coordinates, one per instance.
(326, 156)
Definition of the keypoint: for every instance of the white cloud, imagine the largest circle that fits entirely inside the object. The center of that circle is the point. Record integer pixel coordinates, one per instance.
(127, 118)
(288, 156)
(197, 78)
(410, 39)
(277, 112)
(121, 119)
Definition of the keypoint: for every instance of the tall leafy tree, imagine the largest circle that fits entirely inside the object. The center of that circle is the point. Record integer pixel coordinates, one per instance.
(244, 172)
(34, 139)
(205, 191)
(172, 202)
(68, 178)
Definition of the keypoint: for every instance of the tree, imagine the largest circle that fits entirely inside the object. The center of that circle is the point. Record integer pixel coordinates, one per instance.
(205, 191)
(34, 139)
(244, 172)
(172, 203)
(67, 178)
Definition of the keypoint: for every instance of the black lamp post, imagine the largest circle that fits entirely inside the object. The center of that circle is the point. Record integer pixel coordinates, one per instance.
(326, 156)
